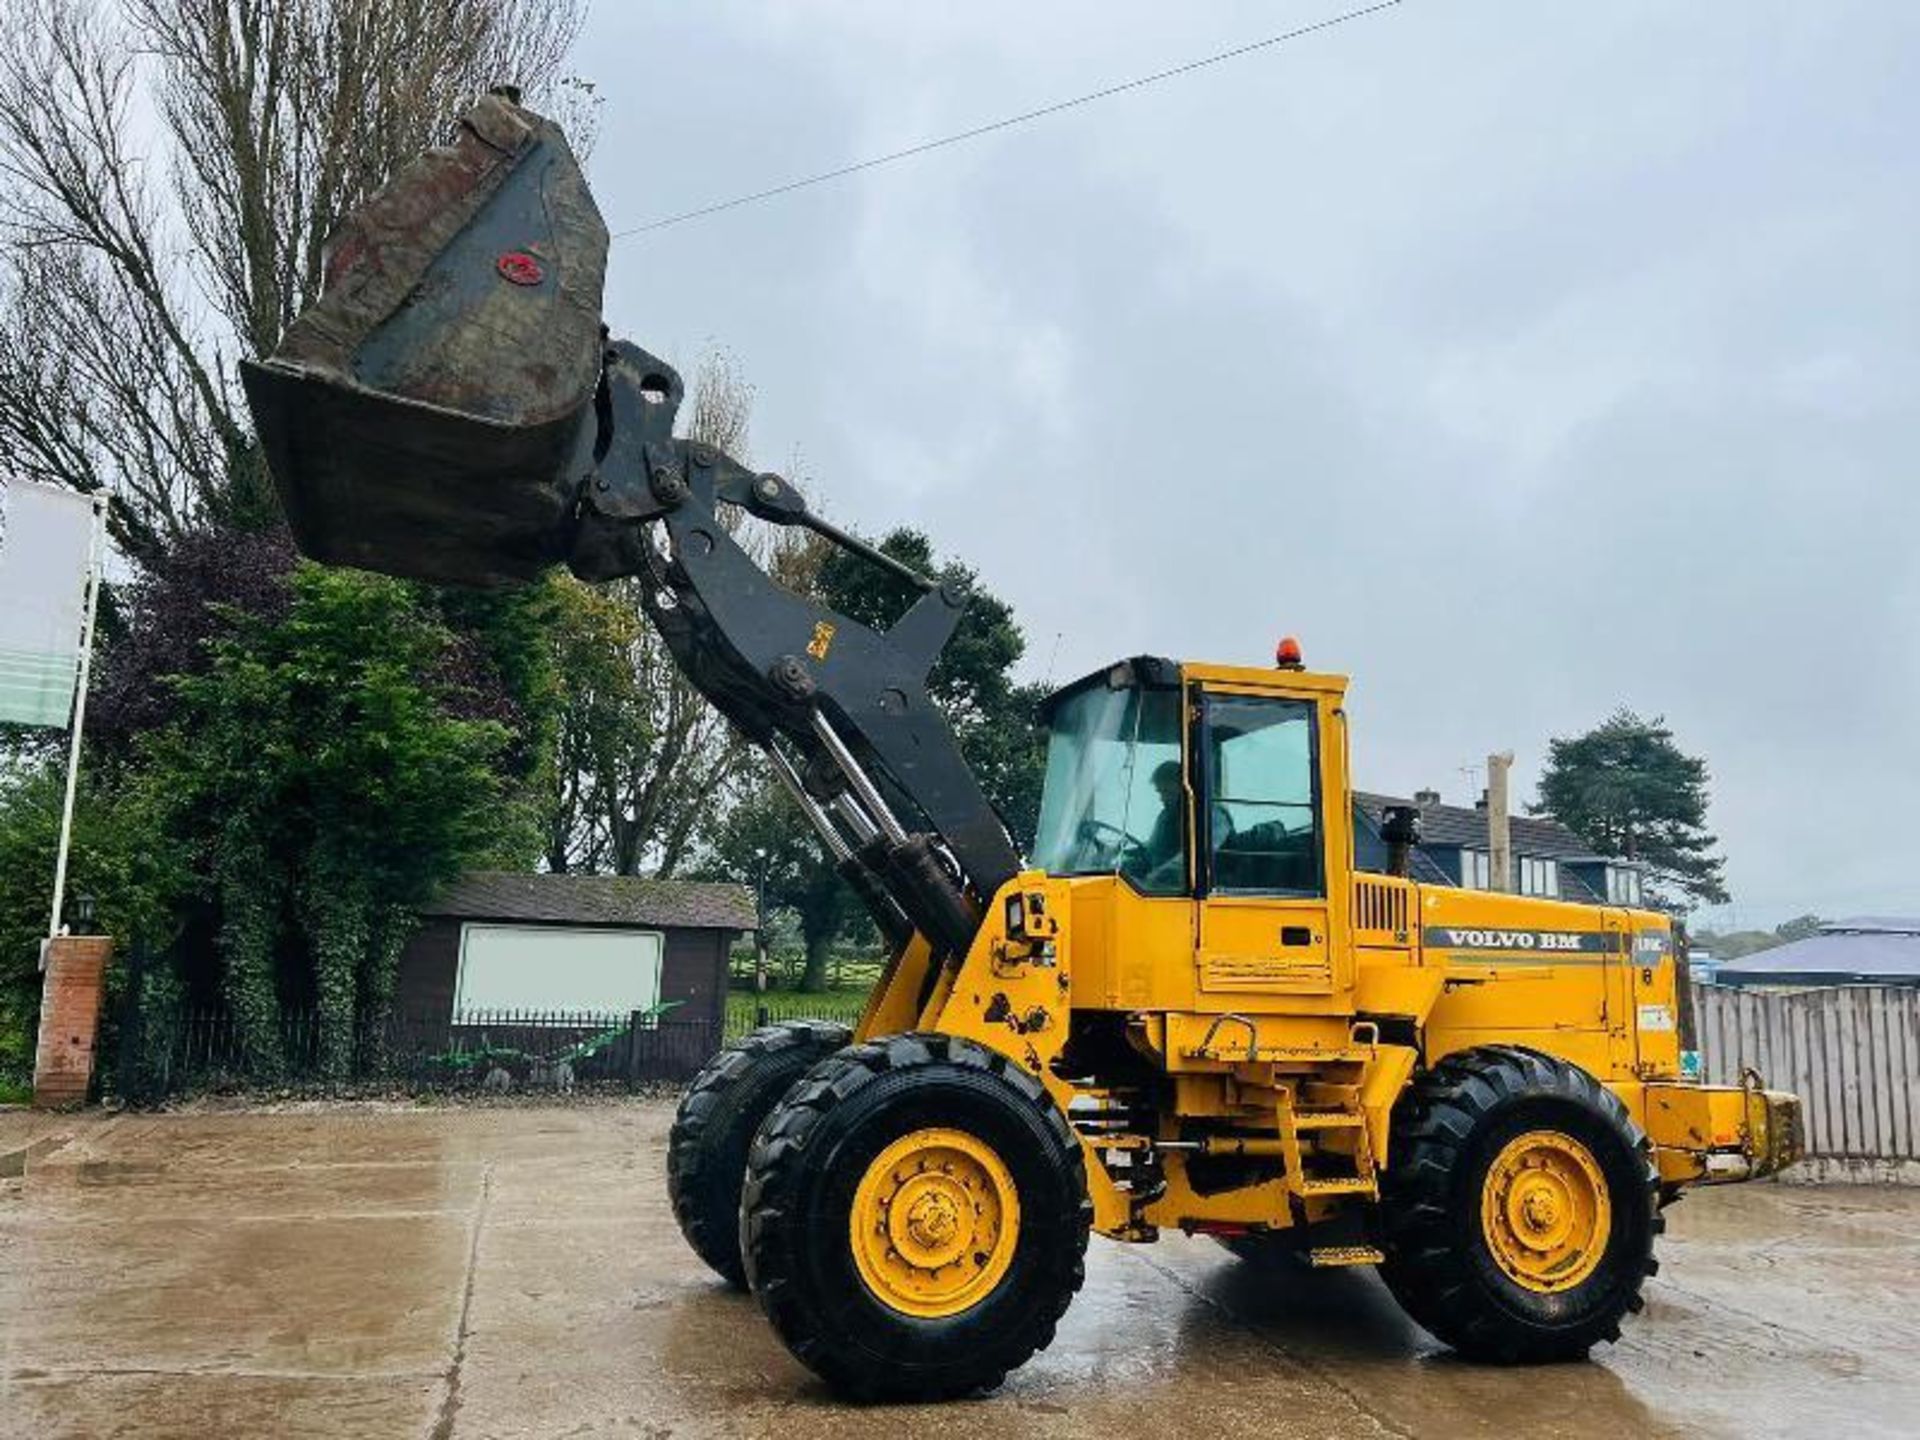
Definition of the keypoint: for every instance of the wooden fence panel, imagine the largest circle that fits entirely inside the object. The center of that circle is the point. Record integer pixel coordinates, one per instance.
(1852, 1054)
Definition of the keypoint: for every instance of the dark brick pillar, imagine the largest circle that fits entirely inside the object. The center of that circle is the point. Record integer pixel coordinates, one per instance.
(69, 1019)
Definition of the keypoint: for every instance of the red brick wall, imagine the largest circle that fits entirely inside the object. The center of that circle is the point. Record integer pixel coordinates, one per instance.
(69, 1019)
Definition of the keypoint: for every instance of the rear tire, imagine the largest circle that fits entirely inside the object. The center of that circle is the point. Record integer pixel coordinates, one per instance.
(707, 1149)
(915, 1218)
(1519, 1208)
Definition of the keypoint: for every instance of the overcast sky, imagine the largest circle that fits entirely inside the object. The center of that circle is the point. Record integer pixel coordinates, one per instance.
(1526, 360)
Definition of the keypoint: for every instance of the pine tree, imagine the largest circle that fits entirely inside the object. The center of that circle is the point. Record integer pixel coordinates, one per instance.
(1629, 791)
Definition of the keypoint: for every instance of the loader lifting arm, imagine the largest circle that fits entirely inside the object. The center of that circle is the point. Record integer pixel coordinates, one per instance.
(833, 703)
(451, 409)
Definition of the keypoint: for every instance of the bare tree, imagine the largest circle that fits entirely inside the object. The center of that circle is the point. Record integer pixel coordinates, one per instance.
(643, 764)
(170, 171)
(722, 403)
(672, 771)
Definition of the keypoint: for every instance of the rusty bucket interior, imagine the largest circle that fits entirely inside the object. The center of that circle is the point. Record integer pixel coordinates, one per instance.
(430, 415)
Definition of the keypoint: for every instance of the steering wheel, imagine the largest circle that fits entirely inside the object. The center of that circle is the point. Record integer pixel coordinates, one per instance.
(1091, 829)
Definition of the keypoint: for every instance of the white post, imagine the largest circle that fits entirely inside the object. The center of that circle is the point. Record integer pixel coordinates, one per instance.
(1499, 829)
(94, 567)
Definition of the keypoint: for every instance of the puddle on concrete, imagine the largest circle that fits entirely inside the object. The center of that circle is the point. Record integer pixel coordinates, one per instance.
(113, 1172)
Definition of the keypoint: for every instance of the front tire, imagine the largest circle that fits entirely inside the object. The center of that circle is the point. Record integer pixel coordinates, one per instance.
(915, 1218)
(1519, 1207)
(707, 1148)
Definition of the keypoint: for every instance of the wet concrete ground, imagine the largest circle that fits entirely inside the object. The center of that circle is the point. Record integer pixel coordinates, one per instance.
(507, 1272)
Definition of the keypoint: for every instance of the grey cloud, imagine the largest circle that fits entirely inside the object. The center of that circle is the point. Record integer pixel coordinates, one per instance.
(1524, 360)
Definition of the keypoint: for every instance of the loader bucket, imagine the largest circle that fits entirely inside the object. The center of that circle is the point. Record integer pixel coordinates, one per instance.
(422, 418)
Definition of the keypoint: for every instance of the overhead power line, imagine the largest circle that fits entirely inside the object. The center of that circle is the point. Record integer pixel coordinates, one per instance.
(1007, 122)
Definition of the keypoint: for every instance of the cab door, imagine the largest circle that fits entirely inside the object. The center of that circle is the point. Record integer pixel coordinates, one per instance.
(1261, 772)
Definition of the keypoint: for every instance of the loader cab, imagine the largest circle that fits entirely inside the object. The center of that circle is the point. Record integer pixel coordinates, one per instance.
(1116, 799)
(1196, 781)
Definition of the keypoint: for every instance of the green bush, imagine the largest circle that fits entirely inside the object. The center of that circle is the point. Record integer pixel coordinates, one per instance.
(322, 777)
(279, 801)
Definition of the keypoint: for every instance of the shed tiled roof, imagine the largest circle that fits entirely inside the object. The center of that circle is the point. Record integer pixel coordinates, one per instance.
(1466, 825)
(595, 900)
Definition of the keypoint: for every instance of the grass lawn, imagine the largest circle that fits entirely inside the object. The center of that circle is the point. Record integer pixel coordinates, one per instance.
(843, 1005)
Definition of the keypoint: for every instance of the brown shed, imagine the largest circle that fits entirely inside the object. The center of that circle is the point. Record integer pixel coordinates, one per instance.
(573, 943)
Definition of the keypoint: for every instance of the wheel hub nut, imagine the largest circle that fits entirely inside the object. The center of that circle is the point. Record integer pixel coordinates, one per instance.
(933, 1220)
(1541, 1211)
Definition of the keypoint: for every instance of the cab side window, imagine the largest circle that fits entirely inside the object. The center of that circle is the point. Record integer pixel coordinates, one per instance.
(1155, 826)
(1263, 797)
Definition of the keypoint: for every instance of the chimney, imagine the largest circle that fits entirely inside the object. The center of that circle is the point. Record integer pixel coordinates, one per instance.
(1424, 798)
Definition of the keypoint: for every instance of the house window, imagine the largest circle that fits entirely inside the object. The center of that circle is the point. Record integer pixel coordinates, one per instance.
(1534, 877)
(1623, 885)
(1476, 870)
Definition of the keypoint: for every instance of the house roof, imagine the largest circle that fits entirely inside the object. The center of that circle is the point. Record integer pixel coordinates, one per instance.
(1466, 825)
(595, 900)
(1871, 925)
(1865, 950)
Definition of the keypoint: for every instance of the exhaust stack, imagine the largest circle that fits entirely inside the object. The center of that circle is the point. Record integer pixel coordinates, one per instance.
(1400, 828)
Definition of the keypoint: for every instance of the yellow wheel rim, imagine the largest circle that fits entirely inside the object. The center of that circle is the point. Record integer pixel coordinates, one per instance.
(1545, 1211)
(934, 1223)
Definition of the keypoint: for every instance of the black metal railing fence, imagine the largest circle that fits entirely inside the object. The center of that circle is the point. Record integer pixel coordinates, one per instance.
(167, 1053)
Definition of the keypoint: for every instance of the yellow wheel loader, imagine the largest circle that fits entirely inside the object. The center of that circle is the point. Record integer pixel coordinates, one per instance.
(1188, 1008)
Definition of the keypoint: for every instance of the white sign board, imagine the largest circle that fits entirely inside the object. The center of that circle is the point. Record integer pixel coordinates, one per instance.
(46, 554)
(547, 968)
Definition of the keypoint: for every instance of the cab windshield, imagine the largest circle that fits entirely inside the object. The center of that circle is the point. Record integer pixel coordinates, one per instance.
(1114, 802)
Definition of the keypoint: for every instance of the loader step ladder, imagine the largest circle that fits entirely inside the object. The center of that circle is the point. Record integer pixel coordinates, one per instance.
(1323, 1257)
(1324, 1119)
(1338, 1185)
(1329, 1120)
